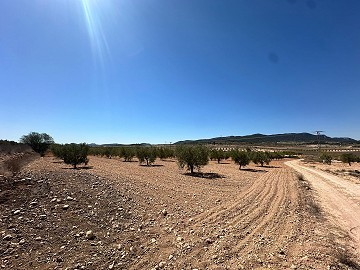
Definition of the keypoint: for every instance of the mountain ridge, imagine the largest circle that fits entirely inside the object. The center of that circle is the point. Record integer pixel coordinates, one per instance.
(304, 137)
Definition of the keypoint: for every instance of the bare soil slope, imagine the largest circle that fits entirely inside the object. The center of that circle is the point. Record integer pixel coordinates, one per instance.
(160, 218)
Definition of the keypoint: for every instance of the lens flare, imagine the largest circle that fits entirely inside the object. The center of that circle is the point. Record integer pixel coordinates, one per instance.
(97, 37)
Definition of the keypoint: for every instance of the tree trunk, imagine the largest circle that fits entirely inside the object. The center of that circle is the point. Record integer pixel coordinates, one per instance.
(191, 169)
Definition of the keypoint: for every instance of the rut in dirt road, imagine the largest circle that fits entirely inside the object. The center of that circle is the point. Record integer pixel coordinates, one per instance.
(339, 197)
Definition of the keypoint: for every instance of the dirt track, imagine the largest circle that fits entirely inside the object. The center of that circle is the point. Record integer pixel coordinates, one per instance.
(258, 218)
(341, 198)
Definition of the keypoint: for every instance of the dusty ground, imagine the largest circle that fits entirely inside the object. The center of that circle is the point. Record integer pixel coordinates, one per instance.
(350, 173)
(159, 218)
(340, 197)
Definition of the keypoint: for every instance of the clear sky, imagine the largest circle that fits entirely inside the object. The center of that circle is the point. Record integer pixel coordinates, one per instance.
(131, 71)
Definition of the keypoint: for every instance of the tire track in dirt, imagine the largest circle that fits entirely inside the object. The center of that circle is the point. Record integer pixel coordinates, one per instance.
(260, 220)
(339, 197)
(233, 233)
(247, 220)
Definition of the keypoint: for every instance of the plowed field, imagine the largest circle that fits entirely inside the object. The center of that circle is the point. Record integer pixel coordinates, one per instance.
(159, 217)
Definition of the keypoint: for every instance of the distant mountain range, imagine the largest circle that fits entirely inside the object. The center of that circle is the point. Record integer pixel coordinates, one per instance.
(118, 144)
(305, 138)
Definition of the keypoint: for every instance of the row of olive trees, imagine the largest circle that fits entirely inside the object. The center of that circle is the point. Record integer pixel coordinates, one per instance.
(145, 154)
(345, 158)
(193, 157)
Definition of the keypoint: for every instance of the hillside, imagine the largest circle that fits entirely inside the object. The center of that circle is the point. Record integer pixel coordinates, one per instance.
(302, 138)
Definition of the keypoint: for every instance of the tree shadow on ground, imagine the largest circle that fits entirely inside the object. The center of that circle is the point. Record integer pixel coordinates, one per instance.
(253, 170)
(269, 166)
(205, 175)
(78, 168)
(168, 160)
(153, 165)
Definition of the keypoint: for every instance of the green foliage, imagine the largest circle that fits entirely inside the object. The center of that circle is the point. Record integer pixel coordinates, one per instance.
(218, 154)
(276, 155)
(128, 153)
(192, 157)
(242, 158)
(261, 158)
(39, 142)
(348, 158)
(147, 154)
(325, 158)
(73, 154)
(165, 152)
(57, 150)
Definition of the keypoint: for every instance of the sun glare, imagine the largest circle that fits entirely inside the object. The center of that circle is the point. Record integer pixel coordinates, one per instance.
(94, 24)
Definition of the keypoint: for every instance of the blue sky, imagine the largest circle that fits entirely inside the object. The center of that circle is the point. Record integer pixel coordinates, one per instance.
(131, 71)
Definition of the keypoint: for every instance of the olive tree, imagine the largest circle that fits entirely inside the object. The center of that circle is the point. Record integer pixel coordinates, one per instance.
(261, 158)
(147, 154)
(241, 158)
(348, 158)
(39, 142)
(192, 157)
(75, 154)
(217, 154)
(326, 158)
(128, 153)
(165, 152)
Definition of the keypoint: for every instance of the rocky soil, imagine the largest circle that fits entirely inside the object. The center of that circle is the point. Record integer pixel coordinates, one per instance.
(120, 215)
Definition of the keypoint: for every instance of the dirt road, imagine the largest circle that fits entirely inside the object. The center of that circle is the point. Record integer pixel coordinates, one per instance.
(339, 197)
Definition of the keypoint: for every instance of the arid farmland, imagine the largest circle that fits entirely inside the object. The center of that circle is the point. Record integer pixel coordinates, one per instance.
(158, 217)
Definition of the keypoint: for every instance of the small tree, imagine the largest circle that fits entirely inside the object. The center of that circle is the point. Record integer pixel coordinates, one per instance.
(38, 142)
(165, 152)
(127, 153)
(261, 158)
(217, 154)
(75, 154)
(240, 157)
(326, 158)
(348, 158)
(57, 150)
(192, 157)
(147, 154)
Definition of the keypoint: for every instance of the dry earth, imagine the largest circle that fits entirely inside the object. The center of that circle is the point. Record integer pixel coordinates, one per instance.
(160, 218)
(340, 197)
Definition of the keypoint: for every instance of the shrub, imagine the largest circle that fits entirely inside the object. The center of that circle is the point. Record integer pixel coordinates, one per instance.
(326, 158)
(13, 165)
(241, 158)
(75, 154)
(127, 153)
(38, 142)
(147, 154)
(261, 158)
(348, 158)
(217, 154)
(165, 152)
(192, 157)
